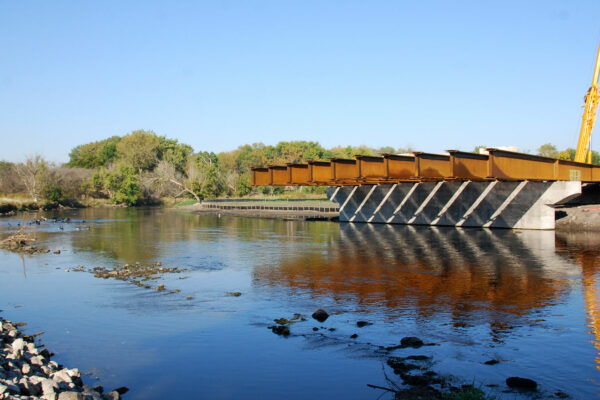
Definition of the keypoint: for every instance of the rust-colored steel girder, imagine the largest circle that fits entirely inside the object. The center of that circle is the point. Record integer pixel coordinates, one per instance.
(456, 165)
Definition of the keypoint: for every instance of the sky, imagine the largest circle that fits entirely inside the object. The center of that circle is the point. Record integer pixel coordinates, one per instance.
(433, 75)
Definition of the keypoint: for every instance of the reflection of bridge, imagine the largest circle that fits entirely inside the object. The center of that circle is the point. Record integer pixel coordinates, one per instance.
(500, 190)
(474, 277)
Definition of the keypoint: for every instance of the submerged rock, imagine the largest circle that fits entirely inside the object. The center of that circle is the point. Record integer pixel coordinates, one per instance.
(361, 324)
(411, 341)
(491, 362)
(516, 382)
(320, 315)
(234, 294)
(280, 330)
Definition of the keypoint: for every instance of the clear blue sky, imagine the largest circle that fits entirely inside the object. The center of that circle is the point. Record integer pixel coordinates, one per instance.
(435, 75)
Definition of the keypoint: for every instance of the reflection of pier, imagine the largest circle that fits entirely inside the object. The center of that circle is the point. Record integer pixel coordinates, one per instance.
(583, 249)
(482, 276)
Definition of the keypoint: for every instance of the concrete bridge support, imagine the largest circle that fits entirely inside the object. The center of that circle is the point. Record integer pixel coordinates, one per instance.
(493, 204)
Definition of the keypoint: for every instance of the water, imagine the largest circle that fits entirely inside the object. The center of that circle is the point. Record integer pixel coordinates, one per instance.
(529, 299)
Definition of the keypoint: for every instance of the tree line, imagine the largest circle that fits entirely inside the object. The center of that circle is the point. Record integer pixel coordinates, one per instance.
(142, 167)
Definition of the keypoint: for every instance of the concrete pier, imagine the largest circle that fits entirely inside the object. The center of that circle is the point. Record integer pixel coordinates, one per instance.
(492, 204)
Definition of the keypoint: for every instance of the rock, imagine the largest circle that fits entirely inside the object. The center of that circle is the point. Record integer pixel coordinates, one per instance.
(418, 380)
(399, 366)
(361, 324)
(12, 388)
(70, 396)
(189, 297)
(99, 389)
(114, 395)
(161, 287)
(25, 369)
(234, 294)
(411, 341)
(158, 264)
(48, 386)
(561, 395)
(491, 362)
(516, 382)
(62, 376)
(280, 330)
(418, 392)
(56, 251)
(353, 336)
(18, 345)
(122, 390)
(3, 389)
(37, 360)
(320, 315)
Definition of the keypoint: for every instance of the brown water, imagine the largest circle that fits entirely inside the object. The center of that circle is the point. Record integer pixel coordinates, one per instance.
(528, 299)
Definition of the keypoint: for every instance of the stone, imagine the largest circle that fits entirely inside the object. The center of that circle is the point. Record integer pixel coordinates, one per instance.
(491, 362)
(3, 388)
(70, 396)
(62, 376)
(399, 366)
(99, 389)
(561, 395)
(12, 388)
(354, 336)
(37, 360)
(114, 395)
(280, 330)
(48, 386)
(411, 341)
(161, 287)
(417, 380)
(361, 324)
(56, 251)
(516, 382)
(122, 390)
(18, 345)
(320, 315)
(25, 369)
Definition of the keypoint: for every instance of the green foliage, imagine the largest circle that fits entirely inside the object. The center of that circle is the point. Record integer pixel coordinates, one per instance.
(53, 193)
(139, 150)
(95, 154)
(173, 152)
(548, 150)
(120, 185)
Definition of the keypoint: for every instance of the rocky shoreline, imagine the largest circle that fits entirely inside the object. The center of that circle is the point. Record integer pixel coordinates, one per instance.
(28, 373)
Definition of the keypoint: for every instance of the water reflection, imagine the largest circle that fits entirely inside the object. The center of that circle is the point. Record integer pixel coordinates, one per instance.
(582, 248)
(494, 278)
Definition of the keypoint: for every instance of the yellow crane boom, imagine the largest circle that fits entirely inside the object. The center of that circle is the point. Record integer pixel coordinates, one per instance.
(592, 98)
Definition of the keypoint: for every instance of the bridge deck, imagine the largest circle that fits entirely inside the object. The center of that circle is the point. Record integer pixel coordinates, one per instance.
(422, 167)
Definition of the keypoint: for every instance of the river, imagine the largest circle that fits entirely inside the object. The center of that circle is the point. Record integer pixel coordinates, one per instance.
(528, 299)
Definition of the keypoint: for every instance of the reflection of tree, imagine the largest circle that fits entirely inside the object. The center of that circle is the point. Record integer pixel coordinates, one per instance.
(583, 249)
(138, 234)
(472, 275)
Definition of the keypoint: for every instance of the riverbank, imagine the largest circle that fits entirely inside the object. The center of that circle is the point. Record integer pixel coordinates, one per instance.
(583, 218)
(28, 373)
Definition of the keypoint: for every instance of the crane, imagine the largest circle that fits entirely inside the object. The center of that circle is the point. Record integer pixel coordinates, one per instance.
(592, 98)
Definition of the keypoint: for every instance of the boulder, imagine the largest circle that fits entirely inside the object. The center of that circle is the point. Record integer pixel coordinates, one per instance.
(281, 330)
(122, 390)
(3, 389)
(320, 315)
(70, 396)
(516, 382)
(114, 395)
(26, 369)
(411, 341)
(361, 324)
(17, 346)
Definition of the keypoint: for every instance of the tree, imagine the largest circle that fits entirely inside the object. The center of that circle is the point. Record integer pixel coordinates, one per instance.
(175, 153)
(139, 150)
(95, 154)
(548, 150)
(120, 184)
(30, 174)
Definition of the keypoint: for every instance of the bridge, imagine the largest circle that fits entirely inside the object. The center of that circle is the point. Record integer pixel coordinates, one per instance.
(501, 189)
